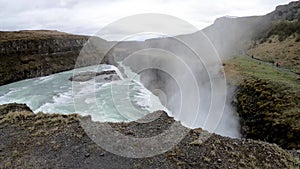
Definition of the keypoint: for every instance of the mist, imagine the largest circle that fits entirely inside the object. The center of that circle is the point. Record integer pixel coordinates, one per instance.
(185, 72)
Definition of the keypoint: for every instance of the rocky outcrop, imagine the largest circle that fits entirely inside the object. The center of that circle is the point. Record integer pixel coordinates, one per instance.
(104, 76)
(59, 141)
(28, 54)
(269, 112)
(13, 107)
(288, 12)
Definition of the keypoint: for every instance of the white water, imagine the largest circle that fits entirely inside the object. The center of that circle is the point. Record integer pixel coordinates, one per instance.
(122, 100)
(117, 101)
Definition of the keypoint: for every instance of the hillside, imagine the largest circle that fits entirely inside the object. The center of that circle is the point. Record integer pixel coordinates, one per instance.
(267, 101)
(267, 98)
(280, 42)
(271, 37)
(280, 39)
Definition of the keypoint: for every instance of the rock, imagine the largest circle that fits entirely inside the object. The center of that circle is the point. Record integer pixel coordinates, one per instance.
(107, 75)
(287, 12)
(13, 107)
(204, 135)
(87, 155)
(82, 77)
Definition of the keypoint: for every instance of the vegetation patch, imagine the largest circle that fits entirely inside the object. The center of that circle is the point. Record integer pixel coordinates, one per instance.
(267, 101)
(283, 29)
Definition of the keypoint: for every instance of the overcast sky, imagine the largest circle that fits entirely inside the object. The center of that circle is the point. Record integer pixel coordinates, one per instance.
(88, 16)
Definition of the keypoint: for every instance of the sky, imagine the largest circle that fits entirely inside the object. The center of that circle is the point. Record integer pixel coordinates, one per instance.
(88, 16)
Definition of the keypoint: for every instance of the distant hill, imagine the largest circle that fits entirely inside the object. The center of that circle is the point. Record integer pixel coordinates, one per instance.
(275, 36)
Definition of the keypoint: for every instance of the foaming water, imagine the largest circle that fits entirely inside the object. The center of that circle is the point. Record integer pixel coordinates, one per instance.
(122, 100)
(116, 101)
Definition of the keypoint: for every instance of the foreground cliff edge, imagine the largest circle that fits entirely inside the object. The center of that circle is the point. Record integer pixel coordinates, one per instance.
(53, 140)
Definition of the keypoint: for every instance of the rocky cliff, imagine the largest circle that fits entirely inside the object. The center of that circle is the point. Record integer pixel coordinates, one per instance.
(269, 112)
(288, 12)
(40, 140)
(28, 54)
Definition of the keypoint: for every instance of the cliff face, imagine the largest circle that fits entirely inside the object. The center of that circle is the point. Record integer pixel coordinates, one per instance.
(39, 42)
(288, 12)
(28, 54)
(269, 112)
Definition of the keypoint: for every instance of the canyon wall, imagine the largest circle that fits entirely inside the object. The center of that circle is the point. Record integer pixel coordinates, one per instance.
(29, 54)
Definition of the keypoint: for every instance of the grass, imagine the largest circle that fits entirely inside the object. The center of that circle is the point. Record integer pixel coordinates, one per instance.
(273, 49)
(242, 68)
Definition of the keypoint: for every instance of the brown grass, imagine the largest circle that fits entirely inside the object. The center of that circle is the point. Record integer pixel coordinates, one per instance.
(34, 34)
(287, 51)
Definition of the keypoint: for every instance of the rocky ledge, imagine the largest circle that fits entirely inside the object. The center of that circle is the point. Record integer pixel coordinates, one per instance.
(103, 76)
(41, 140)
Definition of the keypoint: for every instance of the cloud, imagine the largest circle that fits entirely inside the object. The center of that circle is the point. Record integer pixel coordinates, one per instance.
(88, 16)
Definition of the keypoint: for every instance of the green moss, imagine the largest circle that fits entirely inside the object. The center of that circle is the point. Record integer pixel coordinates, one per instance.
(270, 117)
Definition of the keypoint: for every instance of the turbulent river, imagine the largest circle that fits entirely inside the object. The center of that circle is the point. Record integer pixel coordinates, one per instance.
(114, 101)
